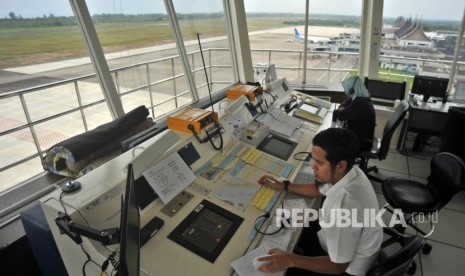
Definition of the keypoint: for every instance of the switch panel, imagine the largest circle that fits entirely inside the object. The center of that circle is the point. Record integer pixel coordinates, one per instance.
(176, 204)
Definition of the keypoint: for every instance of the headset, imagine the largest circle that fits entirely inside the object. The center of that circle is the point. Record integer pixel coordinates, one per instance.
(264, 217)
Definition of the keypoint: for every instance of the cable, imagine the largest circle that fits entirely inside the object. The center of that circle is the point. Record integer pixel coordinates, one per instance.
(114, 263)
(134, 151)
(62, 204)
(89, 259)
(266, 216)
(211, 139)
(274, 97)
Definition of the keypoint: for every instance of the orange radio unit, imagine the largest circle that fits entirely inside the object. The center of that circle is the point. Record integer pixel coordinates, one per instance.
(190, 118)
(249, 91)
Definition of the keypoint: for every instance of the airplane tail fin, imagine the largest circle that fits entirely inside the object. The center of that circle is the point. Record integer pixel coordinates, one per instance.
(297, 34)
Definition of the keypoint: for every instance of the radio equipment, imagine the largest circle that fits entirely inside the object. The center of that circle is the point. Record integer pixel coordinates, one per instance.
(250, 91)
(190, 118)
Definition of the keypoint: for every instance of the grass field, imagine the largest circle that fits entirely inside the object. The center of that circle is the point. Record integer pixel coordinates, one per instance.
(392, 75)
(26, 46)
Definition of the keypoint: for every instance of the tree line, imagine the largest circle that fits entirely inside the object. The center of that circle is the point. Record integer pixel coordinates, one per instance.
(17, 21)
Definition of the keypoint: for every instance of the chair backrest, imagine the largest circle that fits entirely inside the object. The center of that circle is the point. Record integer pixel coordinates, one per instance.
(453, 137)
(391, 125)
(398, 263)
(447, 176)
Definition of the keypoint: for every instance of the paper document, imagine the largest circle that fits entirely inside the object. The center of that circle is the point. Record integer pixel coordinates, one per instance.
(237, 192)
(169, 177)
(244, 265)
(279, 240)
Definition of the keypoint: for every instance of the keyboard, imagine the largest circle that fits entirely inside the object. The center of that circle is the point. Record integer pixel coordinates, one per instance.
(265, 198)
(304, 177)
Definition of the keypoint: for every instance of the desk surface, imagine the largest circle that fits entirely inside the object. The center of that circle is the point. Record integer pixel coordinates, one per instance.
(160, 255)
(438, 106)
(427, 118)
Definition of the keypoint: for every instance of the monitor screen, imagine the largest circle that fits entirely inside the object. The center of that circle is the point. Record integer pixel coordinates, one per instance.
(129, 230)
(385, 89)
(206, 230)
(309, 108)
(277, 146)
(430, 87)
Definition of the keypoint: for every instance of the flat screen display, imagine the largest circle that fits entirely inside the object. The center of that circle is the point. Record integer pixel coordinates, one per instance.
(130, 230)
(309, 108)
(430, 87)
(277, 146)
(385, 89)
(144, 192)
(206, 230)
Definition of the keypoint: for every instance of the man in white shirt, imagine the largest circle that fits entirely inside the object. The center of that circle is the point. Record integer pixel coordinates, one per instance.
(334, 249)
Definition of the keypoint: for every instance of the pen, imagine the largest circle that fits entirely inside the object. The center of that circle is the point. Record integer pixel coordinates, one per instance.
(271, 181)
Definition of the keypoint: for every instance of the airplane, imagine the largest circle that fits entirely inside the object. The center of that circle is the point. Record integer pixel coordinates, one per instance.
(311, 39)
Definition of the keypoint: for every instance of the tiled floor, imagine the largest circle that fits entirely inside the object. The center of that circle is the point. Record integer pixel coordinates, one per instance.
(448, 239)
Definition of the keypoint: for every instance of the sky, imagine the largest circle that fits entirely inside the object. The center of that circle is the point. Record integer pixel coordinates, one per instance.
(427, 9)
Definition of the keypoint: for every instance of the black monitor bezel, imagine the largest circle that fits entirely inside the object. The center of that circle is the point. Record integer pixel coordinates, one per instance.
(130, 220)
(429, 90)
(400, 88)
(176, 234)
(269, 137)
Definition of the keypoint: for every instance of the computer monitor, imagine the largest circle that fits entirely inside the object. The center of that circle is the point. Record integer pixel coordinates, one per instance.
(430, 87)
(383, 89)
(277, 146)
(129, 230)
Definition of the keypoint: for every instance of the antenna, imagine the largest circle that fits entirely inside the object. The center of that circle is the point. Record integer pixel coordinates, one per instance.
(205, 70)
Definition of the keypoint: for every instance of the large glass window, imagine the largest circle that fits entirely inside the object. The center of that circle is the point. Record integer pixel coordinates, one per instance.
(419, 39)
(140, 50)
(206, 19)
(42, 48)
(277, 36)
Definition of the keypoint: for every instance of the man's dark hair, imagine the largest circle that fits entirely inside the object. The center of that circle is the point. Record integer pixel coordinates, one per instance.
(339, 144)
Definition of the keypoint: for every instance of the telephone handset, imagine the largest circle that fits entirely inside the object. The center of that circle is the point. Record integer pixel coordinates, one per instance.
(289, 106)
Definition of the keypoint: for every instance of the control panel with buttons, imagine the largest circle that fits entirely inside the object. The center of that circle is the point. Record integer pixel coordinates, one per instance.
(176, 204)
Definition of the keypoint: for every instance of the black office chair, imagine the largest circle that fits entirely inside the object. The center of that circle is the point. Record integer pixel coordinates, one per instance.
(381, 146)
(446, 179)
(453, 136)
(401, 261)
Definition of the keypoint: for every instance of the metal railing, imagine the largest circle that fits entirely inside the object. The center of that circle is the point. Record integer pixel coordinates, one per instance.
(284, 60)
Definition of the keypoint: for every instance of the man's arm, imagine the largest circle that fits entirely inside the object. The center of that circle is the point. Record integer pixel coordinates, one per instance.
(307, 190)
(280, 260)
(351, 111)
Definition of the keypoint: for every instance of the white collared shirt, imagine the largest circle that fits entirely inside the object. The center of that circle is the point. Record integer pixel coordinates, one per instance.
(355, 244)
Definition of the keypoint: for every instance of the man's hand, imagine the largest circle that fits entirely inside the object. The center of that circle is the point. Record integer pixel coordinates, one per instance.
(270, 182)
(277, 261)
